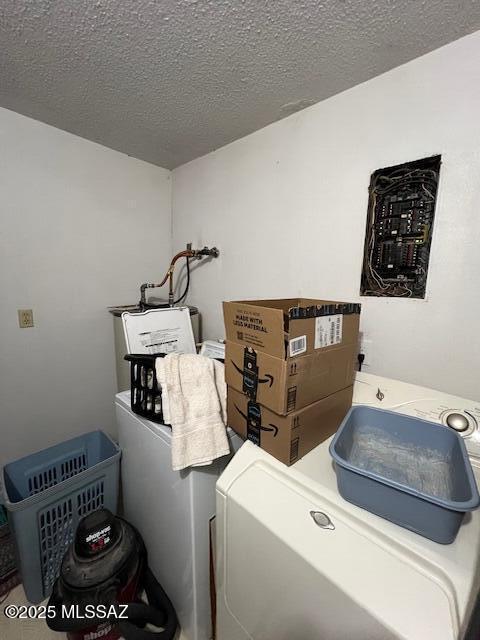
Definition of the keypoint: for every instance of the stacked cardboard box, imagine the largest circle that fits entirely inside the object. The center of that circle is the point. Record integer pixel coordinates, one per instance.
(289, 367)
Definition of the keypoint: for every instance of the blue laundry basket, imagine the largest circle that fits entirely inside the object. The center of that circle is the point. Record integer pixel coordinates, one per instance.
(46, 495)
(410, 471)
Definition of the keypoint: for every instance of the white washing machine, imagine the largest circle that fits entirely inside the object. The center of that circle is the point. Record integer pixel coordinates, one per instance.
(172, 511)
(297, 562)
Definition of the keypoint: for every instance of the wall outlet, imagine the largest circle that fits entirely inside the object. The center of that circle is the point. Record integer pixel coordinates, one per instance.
(25, 318)
(366, 349)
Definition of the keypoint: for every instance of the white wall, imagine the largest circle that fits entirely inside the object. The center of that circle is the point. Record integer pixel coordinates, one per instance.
(287, 208)
(81, 227)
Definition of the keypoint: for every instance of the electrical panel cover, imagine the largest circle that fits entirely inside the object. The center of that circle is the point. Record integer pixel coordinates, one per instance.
(401, 210)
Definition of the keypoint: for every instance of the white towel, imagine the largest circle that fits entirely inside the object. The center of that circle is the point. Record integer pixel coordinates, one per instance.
(194, 404)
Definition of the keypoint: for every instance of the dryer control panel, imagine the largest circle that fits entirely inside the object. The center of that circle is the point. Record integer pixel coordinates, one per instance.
(461, 415)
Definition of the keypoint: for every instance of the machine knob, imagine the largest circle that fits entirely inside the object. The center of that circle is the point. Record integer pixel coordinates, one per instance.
(457, 421)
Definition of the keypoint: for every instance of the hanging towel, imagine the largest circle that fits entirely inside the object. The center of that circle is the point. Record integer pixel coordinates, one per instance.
(194, 404)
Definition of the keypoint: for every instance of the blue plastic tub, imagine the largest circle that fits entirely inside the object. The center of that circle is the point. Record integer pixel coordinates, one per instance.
(47, 494)
(410, 471)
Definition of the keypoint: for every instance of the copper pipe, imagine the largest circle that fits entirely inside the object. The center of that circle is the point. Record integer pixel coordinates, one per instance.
(187, 253)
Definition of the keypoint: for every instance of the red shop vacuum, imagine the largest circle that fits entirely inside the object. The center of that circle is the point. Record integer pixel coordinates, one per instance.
(103, 575)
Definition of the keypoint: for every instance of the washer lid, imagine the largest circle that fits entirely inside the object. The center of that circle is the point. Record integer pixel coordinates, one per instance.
(122, 399)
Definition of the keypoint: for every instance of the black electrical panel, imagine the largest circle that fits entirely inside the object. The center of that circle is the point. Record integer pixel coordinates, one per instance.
(401, 209)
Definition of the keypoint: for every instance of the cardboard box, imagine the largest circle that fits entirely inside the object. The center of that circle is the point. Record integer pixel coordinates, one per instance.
(287, 438)
(289, 353)
(293, 327)
(288, 385)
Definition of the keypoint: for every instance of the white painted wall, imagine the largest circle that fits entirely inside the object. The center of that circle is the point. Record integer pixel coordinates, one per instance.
(80, 227)
(287, 208)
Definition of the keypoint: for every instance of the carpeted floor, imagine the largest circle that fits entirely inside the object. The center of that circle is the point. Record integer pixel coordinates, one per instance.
(9, 577)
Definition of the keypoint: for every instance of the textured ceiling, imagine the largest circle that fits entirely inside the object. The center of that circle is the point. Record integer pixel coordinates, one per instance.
(170, 80)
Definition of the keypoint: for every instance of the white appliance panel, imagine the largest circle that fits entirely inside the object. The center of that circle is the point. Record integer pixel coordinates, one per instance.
(172, 510)
(281, 574)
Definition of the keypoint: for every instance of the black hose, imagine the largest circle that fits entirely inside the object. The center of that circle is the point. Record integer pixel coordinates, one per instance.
(182, 297)
(159, 612)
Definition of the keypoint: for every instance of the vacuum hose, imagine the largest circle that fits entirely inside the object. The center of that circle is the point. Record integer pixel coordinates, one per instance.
(159, 612)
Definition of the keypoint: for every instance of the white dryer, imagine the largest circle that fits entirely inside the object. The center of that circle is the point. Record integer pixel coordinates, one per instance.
(172, 511)
(297, 562)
